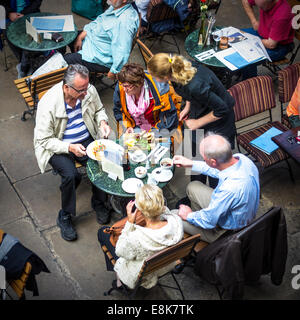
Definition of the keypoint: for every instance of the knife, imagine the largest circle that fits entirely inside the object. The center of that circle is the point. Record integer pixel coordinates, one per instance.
(154, 150)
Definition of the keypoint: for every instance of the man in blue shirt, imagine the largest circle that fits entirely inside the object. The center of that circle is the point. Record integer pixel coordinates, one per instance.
(104, 45)
(233, 204)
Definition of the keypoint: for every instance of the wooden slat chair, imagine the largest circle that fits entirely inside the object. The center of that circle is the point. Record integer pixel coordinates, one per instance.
(33, 89)
(252, 97)
(19, 285)
(145, 51)
(287, 82)
(160, 260)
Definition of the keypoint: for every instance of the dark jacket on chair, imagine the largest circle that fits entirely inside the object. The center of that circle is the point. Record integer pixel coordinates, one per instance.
(13, 259)
(242, 257)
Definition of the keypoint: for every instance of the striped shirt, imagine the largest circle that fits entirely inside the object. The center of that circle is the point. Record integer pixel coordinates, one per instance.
(76, 130)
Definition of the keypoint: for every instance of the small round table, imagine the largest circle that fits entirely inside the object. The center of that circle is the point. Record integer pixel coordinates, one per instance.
(193, 48)
(119, 197)
(16, 34)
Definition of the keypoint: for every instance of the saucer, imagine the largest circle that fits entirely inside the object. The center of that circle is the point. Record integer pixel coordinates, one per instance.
(131, 185)
(162, 175)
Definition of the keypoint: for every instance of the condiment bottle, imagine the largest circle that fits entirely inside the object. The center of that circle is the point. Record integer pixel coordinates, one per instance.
(126, 163)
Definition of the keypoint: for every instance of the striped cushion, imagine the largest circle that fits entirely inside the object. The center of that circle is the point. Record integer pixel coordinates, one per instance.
(264, 159)
(253, 96)
(287, 82)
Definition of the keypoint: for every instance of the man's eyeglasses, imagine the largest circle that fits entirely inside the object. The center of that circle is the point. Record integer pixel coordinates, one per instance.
(82, 90)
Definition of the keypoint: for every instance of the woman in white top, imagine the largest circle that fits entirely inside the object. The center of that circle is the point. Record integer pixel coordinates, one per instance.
(137, 243)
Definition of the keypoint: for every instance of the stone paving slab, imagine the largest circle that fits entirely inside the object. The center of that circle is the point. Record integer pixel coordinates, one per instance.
(41, 195)
(16, 145)
(83, 258)
(11, 207)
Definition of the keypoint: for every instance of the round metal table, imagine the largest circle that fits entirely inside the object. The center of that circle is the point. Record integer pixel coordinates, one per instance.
(193, 48)
(16, 34)
(118, 197)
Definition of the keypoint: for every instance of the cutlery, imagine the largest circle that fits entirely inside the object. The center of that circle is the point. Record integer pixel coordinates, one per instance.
(160, 153)
(154, 150)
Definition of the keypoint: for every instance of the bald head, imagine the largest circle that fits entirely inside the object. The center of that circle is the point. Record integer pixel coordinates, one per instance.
(216, 147)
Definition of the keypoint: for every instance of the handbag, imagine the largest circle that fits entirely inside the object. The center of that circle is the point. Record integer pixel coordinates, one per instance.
(116, 229)
(88, 8)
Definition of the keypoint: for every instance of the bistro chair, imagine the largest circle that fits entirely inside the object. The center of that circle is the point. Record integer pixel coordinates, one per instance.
(162, 259)
(33, 89)
(256, 96)
(158, 12)
(287, 82)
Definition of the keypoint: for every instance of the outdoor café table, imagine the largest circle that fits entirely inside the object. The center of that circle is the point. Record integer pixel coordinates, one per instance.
(193, 48)
(114, 188)
(16, 34)
(288, 143)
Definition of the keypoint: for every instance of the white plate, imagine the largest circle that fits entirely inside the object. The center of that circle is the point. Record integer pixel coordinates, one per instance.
(162, 175)
(131, 185)
(108, 143)
(138, 156)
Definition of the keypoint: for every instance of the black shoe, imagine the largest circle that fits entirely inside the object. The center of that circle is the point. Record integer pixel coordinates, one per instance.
(178, 268)
(66, 228)
(185, 201)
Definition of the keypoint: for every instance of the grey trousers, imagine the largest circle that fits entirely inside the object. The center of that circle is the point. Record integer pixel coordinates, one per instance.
(200, 195)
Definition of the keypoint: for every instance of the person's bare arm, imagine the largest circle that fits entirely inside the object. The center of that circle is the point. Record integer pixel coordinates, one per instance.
(250, 13)
(78, 42)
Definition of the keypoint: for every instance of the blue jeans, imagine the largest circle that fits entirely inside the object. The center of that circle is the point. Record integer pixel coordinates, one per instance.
(275, 54)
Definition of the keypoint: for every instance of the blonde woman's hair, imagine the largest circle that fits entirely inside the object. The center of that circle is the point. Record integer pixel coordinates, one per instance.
(149, 200)
(163, 65)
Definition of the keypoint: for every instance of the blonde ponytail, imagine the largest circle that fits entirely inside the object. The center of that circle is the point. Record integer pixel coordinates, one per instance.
(163, 65)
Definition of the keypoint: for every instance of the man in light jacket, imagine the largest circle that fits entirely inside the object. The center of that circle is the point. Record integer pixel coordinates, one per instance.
(68, 118)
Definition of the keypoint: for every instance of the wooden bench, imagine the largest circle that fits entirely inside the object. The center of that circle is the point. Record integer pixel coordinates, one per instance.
(33, 89)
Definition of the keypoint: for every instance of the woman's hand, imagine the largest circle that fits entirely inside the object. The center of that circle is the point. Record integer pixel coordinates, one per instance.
(131, 215)
(185, 112)
(192, 124)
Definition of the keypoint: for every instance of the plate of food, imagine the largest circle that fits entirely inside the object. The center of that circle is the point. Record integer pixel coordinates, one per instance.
(143, 141)
(95, 150)
(131, 185)
(161, 175)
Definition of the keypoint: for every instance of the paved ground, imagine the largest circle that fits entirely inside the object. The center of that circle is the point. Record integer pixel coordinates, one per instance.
(29, 201)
